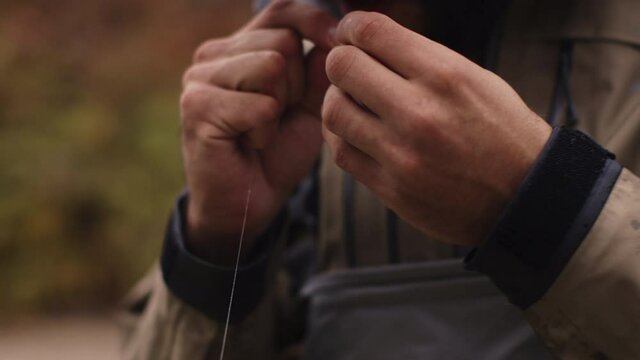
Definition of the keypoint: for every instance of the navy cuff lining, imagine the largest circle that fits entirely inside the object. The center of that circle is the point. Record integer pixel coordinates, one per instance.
(550, 215)
(206, 286)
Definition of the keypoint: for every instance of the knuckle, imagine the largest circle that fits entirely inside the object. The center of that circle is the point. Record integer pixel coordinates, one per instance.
(331, 118)
(331, 111)
(194, 103)
(288, 42)
(339, 62)
(448, 72)
(425, 123)
(407, 164)
(418, 113)
(268, 110)
(448, 77)
(190, 75)
(404, 159)
(208, 49)
(192, 98)
(366, 25)
(340, 155)
(274, 64)
(200, 53)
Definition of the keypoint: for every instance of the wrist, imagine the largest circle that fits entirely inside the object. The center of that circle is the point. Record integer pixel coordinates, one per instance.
(550, 215)
(211, 242)
(205, 285)
(530, 145)
(507, 175)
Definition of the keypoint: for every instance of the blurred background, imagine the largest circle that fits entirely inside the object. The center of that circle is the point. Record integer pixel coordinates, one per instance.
(89, 158)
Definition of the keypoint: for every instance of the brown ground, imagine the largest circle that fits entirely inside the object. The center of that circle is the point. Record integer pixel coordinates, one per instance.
(69, 337)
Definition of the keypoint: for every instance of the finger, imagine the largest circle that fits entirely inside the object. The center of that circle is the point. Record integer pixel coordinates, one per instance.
(366, 80)
(397, 47)
(317, 81)
(298, 140)
(220, 114)
(309, 21)
(365, 169)
(259, 71)
(285, 41)
(344, 118)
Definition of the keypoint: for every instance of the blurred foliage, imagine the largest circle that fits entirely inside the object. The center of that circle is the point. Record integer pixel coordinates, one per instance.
(89, 141)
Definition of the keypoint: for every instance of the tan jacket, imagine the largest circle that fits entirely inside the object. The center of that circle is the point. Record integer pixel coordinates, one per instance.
(591, 310)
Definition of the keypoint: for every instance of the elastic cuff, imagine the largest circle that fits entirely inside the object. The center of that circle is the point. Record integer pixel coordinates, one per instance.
(206, 286)
(546, 221)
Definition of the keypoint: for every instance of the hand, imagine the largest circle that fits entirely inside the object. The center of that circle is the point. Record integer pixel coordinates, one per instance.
(440, 140)
(250, 117)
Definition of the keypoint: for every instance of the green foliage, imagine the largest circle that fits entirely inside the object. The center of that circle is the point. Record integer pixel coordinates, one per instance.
(89, 141)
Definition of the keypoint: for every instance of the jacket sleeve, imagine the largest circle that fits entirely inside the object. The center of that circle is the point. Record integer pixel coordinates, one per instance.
(158, 325)
(591, 311)
(179, 310)
(567, 250)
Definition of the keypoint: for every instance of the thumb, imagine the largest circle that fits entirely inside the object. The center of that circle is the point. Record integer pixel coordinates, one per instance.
(317, 81)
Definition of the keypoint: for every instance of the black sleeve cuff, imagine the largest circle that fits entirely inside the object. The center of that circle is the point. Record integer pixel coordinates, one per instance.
(546, 221)
(206, 286)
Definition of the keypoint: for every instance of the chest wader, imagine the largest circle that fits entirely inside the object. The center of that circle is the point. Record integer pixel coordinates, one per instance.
(433, 310)
(365, 306)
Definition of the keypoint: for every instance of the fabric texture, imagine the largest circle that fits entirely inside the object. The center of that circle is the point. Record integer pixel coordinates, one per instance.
(551, 213)
(206, 286)
(590, 311)
(430, 310)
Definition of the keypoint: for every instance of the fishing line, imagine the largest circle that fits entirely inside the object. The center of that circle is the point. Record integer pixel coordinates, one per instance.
(235, 271)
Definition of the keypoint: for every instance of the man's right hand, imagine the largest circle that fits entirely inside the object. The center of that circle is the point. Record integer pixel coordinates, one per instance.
(250, 113)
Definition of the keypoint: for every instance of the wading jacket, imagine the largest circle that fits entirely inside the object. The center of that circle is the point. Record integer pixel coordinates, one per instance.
(339, 276)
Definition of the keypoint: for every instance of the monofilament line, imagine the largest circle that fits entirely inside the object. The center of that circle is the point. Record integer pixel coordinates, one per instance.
(235, 271)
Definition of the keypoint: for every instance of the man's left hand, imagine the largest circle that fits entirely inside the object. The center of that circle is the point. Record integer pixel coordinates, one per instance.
(442, 141)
